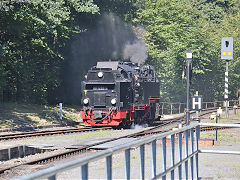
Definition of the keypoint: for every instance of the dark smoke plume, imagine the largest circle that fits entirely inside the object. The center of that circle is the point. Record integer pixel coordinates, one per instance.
(136, 52)
(106, 38)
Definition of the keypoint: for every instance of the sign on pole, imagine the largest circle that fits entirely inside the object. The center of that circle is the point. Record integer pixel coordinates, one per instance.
(227, 48)
(197, 103)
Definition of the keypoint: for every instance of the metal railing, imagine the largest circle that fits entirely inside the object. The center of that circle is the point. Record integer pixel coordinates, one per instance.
(178, 107)
(51, 173)
(177, 166)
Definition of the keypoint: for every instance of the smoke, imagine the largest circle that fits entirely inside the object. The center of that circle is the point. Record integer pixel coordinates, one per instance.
(110, 39)
(106, 38)
(136, 52)
(138, 126)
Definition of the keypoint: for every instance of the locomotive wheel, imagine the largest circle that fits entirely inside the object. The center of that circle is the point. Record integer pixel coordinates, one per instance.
(125, 124)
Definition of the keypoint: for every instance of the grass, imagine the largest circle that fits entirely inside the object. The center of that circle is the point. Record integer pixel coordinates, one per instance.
(225, 135)
(134, 157)
(88, 135)
(21, 115)
(219, 175)
(232, 118)
(84, 136)
(101, 168)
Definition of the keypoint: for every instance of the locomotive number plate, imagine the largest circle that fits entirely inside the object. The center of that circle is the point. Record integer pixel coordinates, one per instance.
(97, 114)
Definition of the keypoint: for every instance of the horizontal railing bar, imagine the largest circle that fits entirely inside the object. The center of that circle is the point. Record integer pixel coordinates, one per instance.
(202, 102)
(220, 152)
(171, 103)
(81, 161)
(220, 125)
(176, 165)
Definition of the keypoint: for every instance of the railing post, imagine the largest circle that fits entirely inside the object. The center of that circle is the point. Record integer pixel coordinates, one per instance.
(127, 164)
(192, 150)
(172, 154)
(109, 167)
(179, 108)
(154, 159)
(142, 150)
(162, 108)
(85, 172)
(164, 158)
(197, 131)
(186, 153)
(180, 155)
(171, 109)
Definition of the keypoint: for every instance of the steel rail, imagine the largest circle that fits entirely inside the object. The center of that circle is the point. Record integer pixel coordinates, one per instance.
(49, 132)
(79, 162)
(150, 131)
(85, 148)
(76, 130)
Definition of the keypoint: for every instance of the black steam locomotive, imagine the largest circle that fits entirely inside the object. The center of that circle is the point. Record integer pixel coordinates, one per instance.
(120, 93)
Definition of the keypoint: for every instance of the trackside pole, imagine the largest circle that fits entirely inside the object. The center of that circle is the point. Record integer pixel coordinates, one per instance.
(188, 64)
(216, 127)
(60, 114)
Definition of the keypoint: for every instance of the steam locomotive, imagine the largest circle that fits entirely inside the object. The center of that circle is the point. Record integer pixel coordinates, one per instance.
(120, 93)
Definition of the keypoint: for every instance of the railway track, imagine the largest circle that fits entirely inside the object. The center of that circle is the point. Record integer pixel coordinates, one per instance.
(6, 137)
(86, 148)
(214, 128)
(49, 132)
(163, 127)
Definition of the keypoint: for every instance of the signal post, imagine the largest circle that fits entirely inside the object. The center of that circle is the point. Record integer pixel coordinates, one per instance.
(227, 54)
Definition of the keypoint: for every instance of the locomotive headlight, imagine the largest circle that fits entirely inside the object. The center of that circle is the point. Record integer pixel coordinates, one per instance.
(113, 101)
(100, 74)
(85, 101)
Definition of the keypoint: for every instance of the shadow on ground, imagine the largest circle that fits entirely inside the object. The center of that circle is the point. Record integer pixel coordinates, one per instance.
(14, 115)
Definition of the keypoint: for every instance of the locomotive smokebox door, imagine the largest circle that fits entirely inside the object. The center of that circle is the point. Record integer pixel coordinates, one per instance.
(99, 99)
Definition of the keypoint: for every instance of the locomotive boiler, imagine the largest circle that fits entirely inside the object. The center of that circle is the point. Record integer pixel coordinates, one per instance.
(119, 93)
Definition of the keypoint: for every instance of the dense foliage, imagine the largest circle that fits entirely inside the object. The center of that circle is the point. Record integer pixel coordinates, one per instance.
(175, 26)
(42, 41)
(33, 35)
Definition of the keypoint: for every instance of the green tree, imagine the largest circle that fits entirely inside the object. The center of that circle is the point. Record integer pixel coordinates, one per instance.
(175, 26)
(33, 36)
(170, 26)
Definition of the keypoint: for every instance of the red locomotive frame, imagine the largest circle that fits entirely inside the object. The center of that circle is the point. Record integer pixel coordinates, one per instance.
(114, 117)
